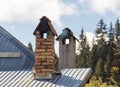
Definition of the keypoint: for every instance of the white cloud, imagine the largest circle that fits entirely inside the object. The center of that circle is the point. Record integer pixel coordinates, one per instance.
(102, 6)
(32, 10)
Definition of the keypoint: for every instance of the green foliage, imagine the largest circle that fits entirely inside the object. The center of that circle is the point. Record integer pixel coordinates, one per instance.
(99, 68)
(111, 33)
(97, 82)
(101, 32)
(30, 46)
(84, 50)
(103, 57)
(117, 30)
(94, 82)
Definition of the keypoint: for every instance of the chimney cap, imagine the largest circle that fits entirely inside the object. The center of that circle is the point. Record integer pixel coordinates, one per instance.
(45, 25)
(45, 18)
(66, 33)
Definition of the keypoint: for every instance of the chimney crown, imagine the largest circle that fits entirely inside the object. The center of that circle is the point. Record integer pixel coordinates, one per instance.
(44, 26)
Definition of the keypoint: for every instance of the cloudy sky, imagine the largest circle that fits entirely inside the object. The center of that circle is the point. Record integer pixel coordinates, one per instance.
(20, 17)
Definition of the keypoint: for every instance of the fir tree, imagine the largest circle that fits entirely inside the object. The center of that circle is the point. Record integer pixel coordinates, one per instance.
(101, 32)
(101, 49)
(83, 48)
(30, 46)
(117, 30)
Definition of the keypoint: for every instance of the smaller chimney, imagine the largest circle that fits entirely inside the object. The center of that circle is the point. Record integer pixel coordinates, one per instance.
(44, 52)
(67, 49)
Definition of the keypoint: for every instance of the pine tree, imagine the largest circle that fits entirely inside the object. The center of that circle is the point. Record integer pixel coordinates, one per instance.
(99, 68)
(104, 56)
(94, 56)
(101, 32)
(83, 57)
(117, 30)
(111, 34)
(100, 50)
(30, 46)
(110, 48)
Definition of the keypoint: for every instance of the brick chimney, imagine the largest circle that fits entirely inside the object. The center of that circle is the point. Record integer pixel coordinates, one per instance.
(67, 49)
(44, 52)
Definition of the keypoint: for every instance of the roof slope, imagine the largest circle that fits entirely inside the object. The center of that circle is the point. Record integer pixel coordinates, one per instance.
(9, 43)
(70, 78)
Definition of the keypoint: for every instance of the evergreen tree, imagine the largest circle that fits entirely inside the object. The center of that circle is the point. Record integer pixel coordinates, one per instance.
(110, 48)
(117, 30)
(104, 56)
(101, 49)
(101, 32)
(30, 46)
(99, 68)
(111, 34)
(83, 48)
(94, 56)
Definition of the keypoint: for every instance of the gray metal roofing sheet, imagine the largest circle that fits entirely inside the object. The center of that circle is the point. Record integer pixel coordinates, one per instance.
(8, 43)
(24, 78)
(17, 72)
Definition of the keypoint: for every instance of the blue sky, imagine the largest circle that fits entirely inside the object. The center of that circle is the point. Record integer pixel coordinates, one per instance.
(20, 17)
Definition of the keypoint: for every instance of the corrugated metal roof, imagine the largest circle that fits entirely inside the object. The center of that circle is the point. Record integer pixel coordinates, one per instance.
(8, 43)
(17, 72)
(69, 78)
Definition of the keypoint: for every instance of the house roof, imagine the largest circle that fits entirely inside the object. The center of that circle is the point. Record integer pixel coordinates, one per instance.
(9, 43)
(17, 72)
(45, 24)
(70, 78)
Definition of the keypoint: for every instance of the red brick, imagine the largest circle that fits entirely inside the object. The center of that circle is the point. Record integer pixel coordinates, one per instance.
(38, 44)
(50, 47)
(37, 63)
(40, 39)
(50, 67)
(46, 70)
(52, 50)
(41, 47)
(50, 60)
(43, 60)
(46, 53)
(37, 71)
(49, 64)
(47, 43)
(50, 40)
(40, 50)
(51, 57)
(38, 56)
